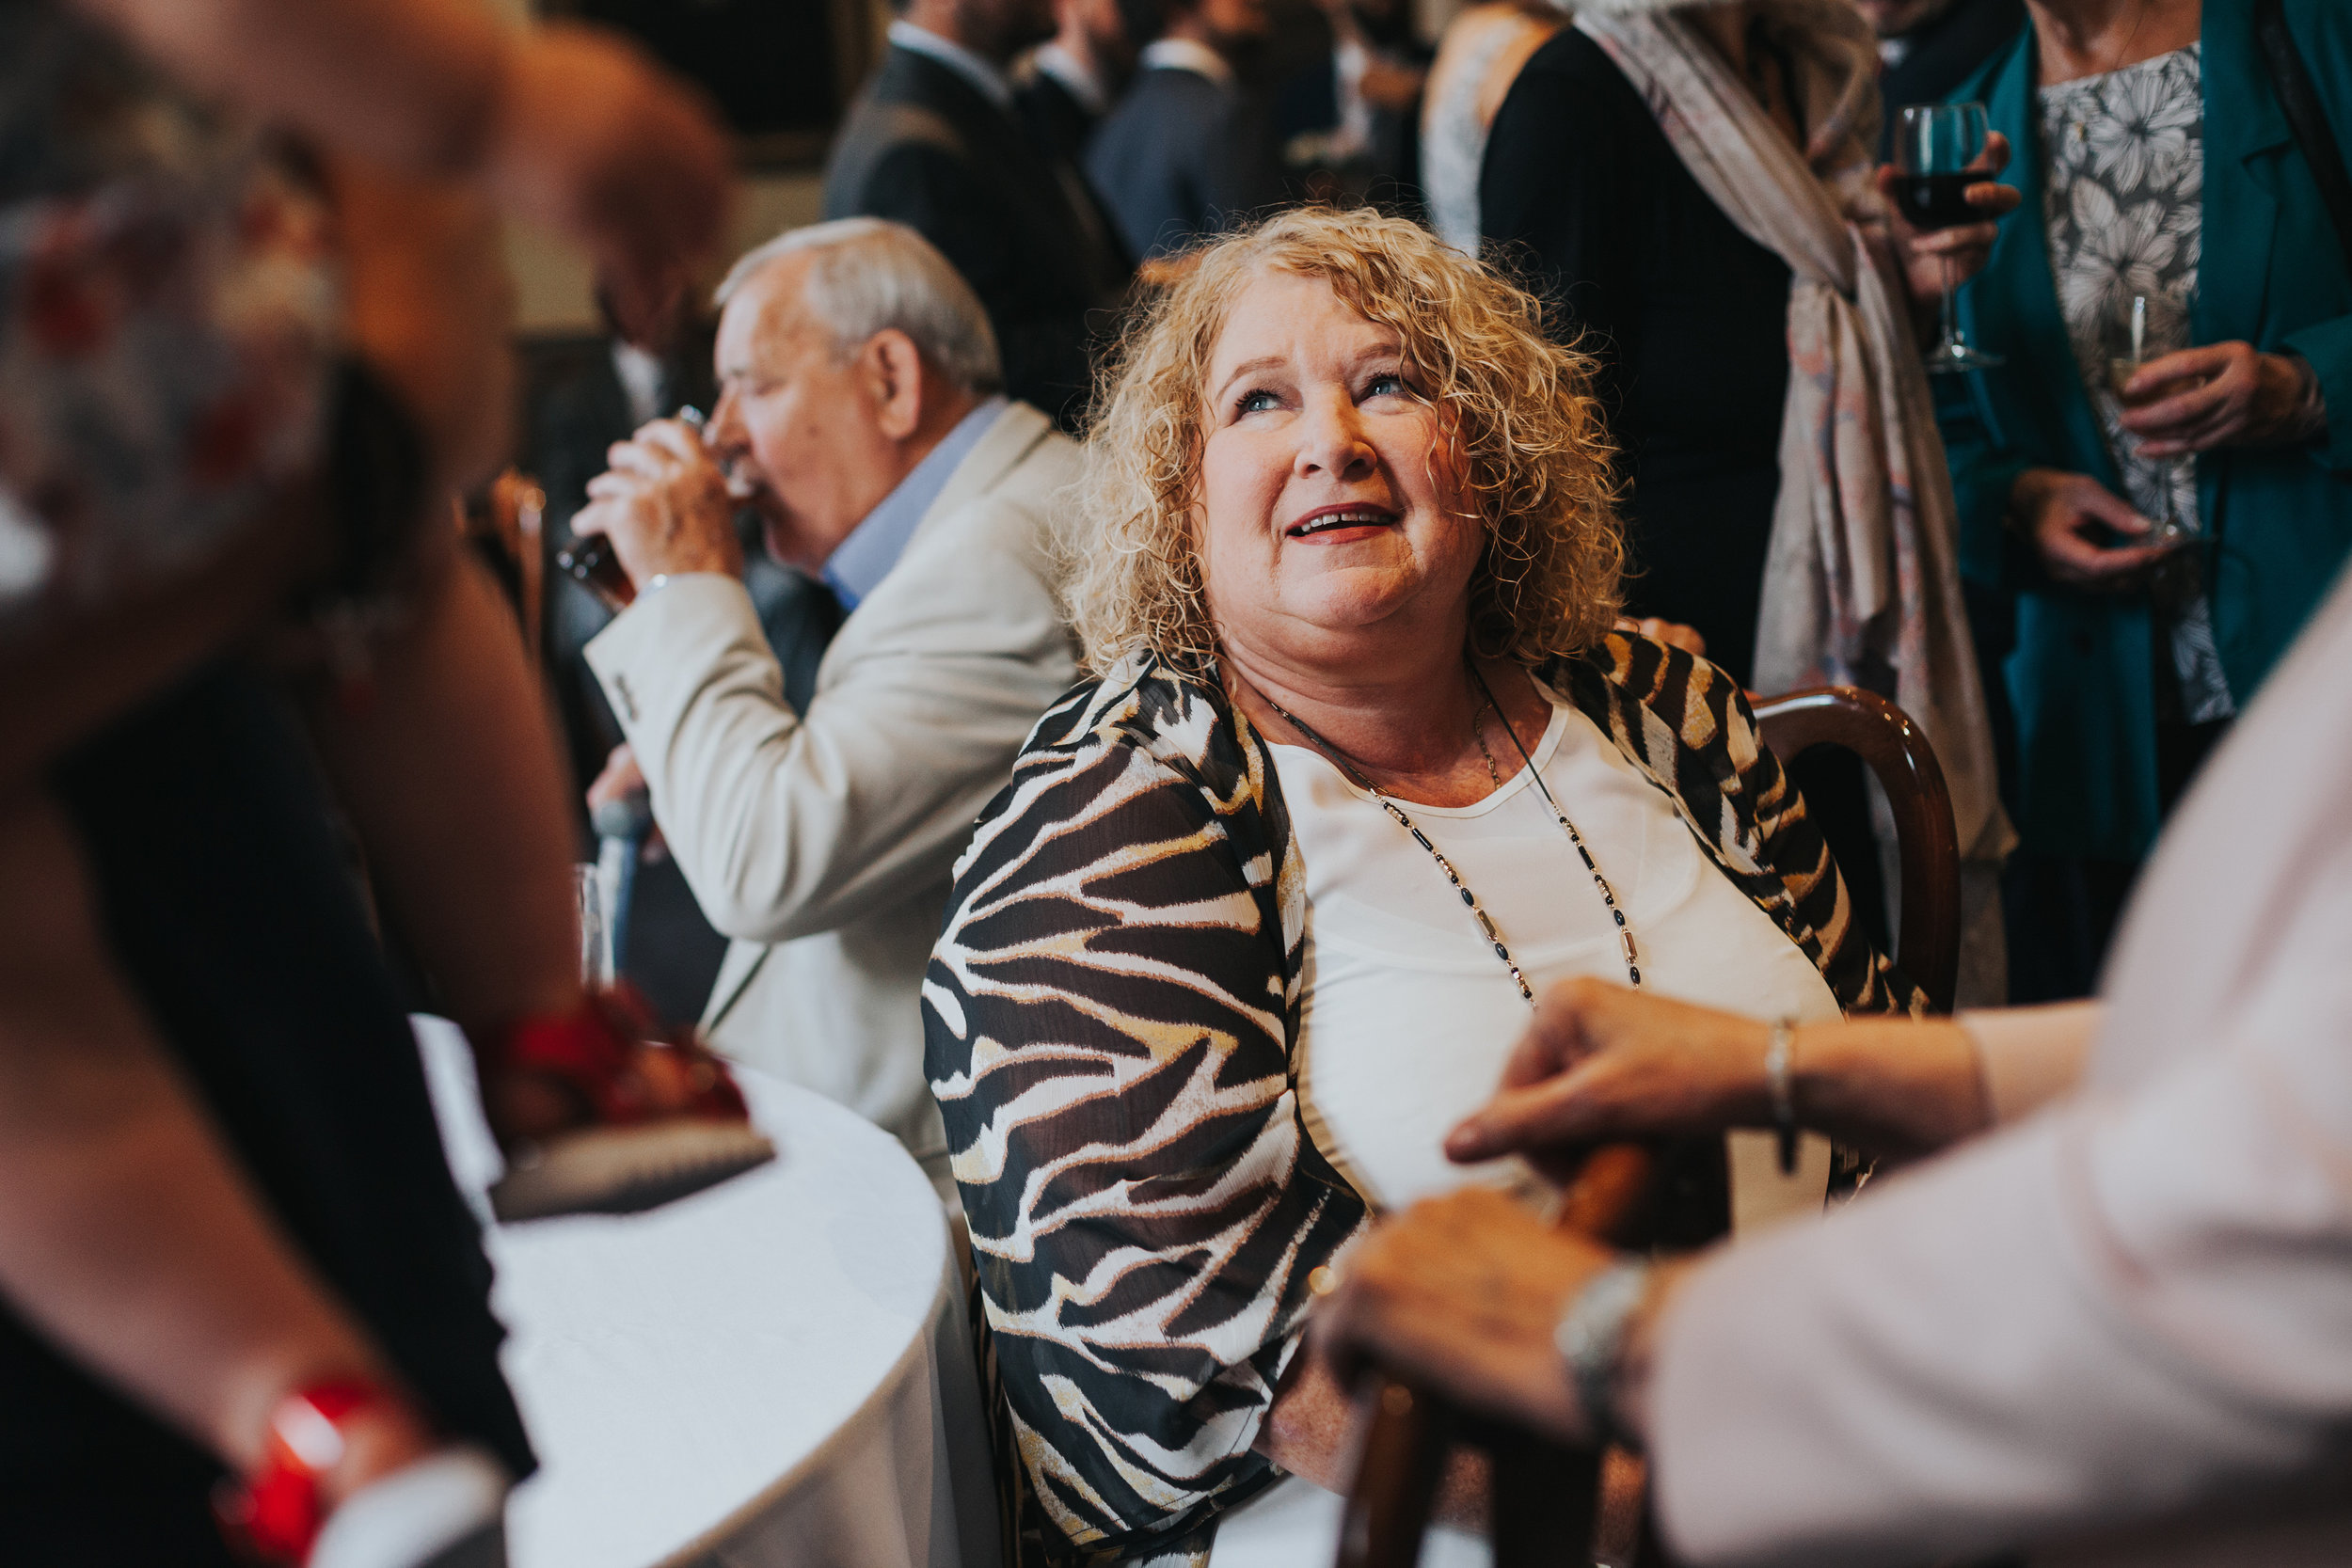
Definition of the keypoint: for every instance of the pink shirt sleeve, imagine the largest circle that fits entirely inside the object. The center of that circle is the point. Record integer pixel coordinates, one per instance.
(2132, 1302)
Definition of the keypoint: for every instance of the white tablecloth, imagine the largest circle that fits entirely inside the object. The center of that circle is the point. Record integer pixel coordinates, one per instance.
(771, 1373)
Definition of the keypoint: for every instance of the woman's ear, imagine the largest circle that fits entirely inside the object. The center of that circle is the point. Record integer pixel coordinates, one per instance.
(897, 379)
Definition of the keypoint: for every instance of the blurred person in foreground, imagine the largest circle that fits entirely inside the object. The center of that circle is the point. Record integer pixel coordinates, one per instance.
(860, 414)
(2114, 1326)
(1263, 904)
(1720, 240)
(2155, 163)
(936, 141)
(1191, 149)
(237, 384)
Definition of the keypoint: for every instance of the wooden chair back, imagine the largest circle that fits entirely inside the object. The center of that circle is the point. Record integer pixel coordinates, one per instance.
(1926, 936)
(1548, 1500)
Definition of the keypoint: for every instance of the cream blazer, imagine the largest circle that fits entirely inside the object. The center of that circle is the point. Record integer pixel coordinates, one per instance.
(821, 842)
(2120, 1331)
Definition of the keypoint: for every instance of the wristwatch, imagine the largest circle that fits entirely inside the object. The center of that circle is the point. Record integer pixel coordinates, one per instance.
(1591, 1341)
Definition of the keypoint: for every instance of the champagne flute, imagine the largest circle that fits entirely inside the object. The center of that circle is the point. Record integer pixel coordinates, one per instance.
(1935, 144)
(2128, 347)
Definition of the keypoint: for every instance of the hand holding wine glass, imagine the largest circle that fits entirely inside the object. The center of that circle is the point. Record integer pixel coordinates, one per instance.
(1943, 152)
(1966, 242)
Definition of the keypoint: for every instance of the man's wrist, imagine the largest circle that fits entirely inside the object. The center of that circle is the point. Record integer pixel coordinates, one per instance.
(1591, 1339)
(1638, 1353)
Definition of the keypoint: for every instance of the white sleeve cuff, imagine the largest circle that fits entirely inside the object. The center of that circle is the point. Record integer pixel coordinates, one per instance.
(412, 1516)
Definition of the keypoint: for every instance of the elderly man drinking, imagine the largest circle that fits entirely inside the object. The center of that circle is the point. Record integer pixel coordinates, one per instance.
(859, 415)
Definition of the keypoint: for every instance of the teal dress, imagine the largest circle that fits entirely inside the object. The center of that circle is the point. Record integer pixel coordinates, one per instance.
(2278, 523)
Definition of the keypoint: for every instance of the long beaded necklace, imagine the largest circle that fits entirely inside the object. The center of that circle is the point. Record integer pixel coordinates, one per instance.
(1348, 766)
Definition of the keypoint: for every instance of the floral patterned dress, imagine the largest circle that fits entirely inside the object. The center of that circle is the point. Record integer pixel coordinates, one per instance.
(2126, 174)
(169, 311)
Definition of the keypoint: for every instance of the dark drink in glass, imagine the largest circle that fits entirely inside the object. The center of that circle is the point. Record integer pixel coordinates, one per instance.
(592, 563)
(1936, 149)
(1931, 201)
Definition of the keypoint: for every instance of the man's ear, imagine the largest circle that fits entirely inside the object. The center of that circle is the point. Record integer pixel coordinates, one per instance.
(897, 377)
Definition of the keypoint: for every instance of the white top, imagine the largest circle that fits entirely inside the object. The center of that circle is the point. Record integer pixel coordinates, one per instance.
(1408, 1016)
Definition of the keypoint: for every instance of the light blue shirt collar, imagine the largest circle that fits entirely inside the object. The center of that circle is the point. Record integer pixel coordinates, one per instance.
(859, 562)
(956, 57)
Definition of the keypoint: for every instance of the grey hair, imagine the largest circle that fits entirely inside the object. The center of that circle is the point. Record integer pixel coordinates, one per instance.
(876, 275)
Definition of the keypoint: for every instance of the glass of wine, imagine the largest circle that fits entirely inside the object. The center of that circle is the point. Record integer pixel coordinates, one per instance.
(1935, 144)
(2130, 344)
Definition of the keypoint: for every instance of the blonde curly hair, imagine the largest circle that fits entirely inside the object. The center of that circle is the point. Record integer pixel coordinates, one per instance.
(1519, 407)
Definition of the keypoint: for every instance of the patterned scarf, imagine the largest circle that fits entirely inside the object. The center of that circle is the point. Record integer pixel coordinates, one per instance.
(1863, 569)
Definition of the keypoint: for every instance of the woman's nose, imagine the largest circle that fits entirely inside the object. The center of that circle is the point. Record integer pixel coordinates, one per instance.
(1331, 437)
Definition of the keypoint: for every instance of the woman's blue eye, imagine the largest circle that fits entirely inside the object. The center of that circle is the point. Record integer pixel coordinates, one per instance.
(1252, 403)
(1388, 385)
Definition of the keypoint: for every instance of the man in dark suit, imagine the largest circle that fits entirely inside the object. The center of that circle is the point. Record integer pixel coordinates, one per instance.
(936, 142)
(1191, 149)
(1071, 81)
(1932, 46)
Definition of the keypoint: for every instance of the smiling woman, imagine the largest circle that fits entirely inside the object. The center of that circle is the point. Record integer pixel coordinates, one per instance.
(1266, 904)
(1522, 451)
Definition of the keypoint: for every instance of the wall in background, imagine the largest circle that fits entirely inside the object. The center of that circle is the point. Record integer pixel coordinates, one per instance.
(552, 278)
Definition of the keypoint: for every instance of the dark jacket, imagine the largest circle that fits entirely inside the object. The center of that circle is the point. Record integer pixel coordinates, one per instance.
(1058, 123)
(1183, 157)
(923, 146)
(1686, 318)
(2278, 523)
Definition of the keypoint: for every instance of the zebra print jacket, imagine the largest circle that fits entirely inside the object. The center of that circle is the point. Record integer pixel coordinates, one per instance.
(1108, 1019)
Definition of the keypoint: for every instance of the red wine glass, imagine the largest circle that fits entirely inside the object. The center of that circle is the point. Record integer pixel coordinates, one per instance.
(1935, 144)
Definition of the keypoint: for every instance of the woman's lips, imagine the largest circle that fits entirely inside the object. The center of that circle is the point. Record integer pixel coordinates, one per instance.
(1340, 525)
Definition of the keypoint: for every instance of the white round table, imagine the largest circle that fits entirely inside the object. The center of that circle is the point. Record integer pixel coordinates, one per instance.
(774, 1371)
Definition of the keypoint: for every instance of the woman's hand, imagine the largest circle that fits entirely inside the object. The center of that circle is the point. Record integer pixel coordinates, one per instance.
(2063, 515)
(1966, 247)
(2234, 396)
(1603, 1062)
